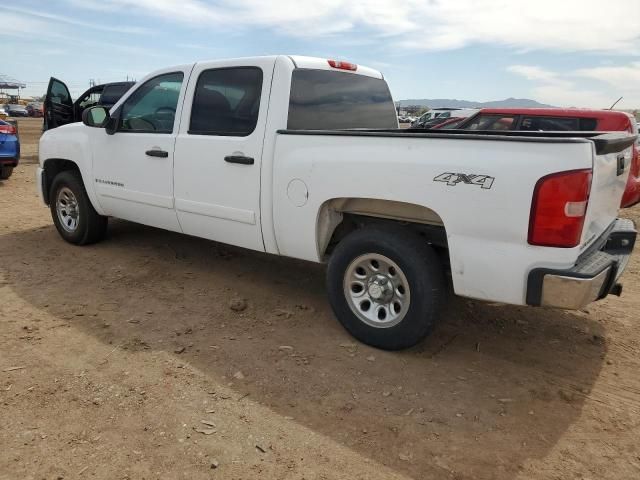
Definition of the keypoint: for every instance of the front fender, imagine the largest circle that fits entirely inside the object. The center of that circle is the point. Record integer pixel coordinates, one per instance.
(70, 143)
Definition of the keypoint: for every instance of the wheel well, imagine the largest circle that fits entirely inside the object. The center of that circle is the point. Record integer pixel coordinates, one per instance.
(53, 167)
(339, 217)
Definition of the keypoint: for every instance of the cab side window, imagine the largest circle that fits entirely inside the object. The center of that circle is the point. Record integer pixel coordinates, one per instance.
(570, 124)
(492, 122)
(152, 107)
(90, 99)
(226, 102)
(551, 124)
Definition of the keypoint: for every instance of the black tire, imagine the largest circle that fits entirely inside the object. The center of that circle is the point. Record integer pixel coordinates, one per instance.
(419, 264)
(91, 227)
(5, 172)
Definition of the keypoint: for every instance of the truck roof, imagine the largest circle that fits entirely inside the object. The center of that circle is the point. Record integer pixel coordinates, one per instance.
(316, 63)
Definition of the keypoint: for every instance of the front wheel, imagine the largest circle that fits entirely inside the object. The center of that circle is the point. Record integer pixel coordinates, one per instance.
(386, 286)
(73, 215)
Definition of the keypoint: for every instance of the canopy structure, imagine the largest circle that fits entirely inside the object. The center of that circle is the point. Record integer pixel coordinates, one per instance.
(8, 83)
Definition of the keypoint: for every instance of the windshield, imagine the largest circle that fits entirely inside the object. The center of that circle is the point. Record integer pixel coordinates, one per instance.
(326, 100)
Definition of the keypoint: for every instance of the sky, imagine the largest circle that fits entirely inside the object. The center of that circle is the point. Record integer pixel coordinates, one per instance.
(583, 53)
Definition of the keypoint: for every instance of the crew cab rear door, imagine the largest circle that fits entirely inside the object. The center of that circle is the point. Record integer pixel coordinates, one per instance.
(219, 151)
(58, 106)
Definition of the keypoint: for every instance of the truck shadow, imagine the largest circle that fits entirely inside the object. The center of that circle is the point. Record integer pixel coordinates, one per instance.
(493, 387)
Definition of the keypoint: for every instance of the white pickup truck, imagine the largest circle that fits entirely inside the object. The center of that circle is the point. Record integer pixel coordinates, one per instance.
(302, 157)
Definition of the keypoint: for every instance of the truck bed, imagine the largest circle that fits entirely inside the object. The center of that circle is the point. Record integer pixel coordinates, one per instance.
(486, 224)
(604, 142)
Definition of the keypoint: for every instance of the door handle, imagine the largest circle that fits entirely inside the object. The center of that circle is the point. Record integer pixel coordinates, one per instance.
(241, 159)
(157, 153)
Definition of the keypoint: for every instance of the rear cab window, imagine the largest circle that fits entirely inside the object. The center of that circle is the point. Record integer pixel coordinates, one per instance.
(330, 100)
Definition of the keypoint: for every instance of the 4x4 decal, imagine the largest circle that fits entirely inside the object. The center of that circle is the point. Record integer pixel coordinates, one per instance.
(452, 179)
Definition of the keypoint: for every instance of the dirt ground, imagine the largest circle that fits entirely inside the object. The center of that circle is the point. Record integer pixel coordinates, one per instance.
(124, 360)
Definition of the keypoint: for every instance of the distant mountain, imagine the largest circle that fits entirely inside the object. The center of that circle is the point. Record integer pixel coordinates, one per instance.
(453, 103)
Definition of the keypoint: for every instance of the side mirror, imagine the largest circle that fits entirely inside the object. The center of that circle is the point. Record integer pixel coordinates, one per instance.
(111, 125)
(95, 117)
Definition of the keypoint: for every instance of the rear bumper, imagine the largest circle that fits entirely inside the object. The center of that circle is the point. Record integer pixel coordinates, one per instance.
(594, 276)
(8, 161)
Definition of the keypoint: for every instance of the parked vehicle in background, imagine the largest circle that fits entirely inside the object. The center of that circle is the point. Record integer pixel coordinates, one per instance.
(9, 149)
(303, 157)
(34, 109)
(16, 110)
(3, 114)
(564, 119)
(60, 109)
(442, 113)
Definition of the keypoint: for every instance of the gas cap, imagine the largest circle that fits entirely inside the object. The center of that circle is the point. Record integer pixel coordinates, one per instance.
(297, 192)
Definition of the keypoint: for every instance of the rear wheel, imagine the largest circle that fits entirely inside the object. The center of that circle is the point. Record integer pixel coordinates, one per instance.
(5, 172)
(73, 215)
(386, 286)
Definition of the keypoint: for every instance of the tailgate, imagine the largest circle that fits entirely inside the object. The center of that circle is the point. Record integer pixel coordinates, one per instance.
(612, 154)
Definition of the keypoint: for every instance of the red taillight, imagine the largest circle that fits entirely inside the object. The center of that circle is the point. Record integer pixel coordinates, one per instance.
(8, 129)
(343, 65)
(558, 209)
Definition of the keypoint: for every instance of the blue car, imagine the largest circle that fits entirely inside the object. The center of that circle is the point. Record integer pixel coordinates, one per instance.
(9, 149)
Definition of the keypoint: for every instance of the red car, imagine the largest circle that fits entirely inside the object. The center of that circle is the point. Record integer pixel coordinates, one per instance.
(564, 119)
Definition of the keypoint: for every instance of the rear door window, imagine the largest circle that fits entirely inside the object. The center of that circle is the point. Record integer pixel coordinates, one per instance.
(226, 102)
(326, 100)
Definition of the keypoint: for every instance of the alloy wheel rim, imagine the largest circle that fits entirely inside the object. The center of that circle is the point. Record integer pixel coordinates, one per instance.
(67, 209)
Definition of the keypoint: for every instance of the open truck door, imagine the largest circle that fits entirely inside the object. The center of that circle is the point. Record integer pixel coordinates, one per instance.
(58, 106)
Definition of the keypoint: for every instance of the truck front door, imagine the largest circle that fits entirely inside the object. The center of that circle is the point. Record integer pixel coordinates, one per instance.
(218, 152)
(133, 168)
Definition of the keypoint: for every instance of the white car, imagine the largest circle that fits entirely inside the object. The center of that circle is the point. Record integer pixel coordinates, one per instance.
(302, 157)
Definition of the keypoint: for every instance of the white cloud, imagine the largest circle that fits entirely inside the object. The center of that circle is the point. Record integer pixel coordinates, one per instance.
(570, 89)
(30, 15)
(625, 78)
(21, 26)
(565, 25)
(572, 96)
(535, 73)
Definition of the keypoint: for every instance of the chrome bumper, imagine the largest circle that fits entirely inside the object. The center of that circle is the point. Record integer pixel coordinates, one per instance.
(594, 276)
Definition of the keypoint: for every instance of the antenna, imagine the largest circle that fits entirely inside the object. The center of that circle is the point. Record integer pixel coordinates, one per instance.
(615, 103)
